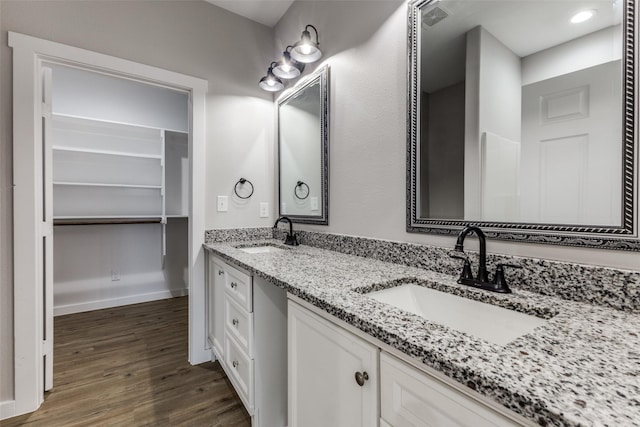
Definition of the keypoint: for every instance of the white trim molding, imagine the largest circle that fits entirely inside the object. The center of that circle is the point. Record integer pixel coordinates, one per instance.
(29, 54)
(7, 409)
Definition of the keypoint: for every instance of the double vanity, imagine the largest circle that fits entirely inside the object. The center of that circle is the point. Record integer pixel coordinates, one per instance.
(317, 337)
(348, 331)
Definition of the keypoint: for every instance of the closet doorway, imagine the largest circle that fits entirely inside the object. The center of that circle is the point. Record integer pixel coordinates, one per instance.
(124, 212)
(120, 183)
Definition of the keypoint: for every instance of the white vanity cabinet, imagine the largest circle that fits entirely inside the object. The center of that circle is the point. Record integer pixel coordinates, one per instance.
(324, 361)
(324, 356)
(247, 330)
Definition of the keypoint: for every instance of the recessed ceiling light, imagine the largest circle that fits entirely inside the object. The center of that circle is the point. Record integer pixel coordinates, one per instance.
(583, 16)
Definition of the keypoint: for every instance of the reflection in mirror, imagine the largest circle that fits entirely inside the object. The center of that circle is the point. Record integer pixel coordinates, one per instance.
(302, 148)
(516, 119)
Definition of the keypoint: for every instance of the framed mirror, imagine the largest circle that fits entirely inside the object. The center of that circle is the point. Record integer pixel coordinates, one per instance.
(522, 120)
(303, 144)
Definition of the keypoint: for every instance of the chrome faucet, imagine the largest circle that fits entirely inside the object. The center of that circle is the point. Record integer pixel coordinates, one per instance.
(291, 238)
(499, 283)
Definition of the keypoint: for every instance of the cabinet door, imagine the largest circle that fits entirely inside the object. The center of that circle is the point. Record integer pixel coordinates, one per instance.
(409, 398)
(216, 285)
(323, 362)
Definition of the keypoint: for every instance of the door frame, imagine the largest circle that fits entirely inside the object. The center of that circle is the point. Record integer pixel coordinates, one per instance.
(29, 54)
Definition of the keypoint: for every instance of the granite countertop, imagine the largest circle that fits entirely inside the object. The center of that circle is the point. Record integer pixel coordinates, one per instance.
(582, 368)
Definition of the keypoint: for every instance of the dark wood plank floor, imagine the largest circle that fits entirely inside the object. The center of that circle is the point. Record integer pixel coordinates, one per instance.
(127, 366)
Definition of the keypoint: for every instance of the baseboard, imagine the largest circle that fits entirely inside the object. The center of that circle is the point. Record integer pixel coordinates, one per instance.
(7, 409)
(119, 301)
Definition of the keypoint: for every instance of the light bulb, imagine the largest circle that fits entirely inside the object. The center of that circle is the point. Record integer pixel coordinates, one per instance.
(306, 49)
(583, 16)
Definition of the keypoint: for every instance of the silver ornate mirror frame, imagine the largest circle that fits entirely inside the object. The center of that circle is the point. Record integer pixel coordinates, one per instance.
(623, 237)
(320, 76)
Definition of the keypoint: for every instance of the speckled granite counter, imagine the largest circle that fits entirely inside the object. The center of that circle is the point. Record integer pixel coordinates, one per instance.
(581, 368)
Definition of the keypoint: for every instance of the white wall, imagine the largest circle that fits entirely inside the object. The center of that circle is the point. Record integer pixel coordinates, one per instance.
(366, 47)
(575, 55)
(94, 95)
(364, 43)
(499, 105)
(85, 256)
(189, 37)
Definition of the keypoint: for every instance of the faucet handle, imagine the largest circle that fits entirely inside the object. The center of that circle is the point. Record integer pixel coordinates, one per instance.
(500, 266)
(466, 273)
(499, 281)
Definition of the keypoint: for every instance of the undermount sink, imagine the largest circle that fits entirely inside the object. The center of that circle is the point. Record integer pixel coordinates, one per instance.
(481, 320)
(261, 249)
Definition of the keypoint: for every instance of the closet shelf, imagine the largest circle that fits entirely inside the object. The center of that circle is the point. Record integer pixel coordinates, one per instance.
(75, 119)
(107, 152)
(94, 184)
(103, 172)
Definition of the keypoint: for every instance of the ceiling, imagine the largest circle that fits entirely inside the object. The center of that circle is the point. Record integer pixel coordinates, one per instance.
(267, 12)
(524, 26)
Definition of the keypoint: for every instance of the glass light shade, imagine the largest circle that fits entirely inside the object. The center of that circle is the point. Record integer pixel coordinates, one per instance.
(306, 50)
(271, 83)
(287, 68)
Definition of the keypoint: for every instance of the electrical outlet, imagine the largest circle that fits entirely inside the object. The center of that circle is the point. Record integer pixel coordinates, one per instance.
(264, 210)
(115, 275)
(283, 208)
(223, 203)
(314, 203)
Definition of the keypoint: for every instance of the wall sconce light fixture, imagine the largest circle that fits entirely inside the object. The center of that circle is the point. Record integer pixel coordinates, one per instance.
(292, 62)
(288, 68)
(306, 50)
(270, 82)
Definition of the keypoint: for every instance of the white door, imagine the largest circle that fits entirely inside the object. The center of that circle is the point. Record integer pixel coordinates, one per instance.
(571, 147)
(323, 363)
(47, 230)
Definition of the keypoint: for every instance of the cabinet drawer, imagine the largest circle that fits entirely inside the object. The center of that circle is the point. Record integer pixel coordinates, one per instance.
(409, 397)
(238, 285)
(240, 371)
(239, 323)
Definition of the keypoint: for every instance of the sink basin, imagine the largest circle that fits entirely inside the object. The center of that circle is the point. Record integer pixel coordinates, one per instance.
(481, 320)
(261, 249)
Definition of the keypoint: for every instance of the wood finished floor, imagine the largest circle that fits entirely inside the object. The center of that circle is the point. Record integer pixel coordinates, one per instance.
(127, 366)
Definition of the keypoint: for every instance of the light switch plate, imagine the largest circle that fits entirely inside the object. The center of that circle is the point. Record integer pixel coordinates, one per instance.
(223, 203)
(314, 203)
(283, 208)
(264, 210)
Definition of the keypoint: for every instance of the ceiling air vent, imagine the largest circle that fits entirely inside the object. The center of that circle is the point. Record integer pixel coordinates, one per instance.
(433, 16)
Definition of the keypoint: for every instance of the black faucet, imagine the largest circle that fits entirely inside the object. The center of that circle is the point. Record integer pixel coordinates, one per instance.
(291, 238)
(498, 284)
(483, 276)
